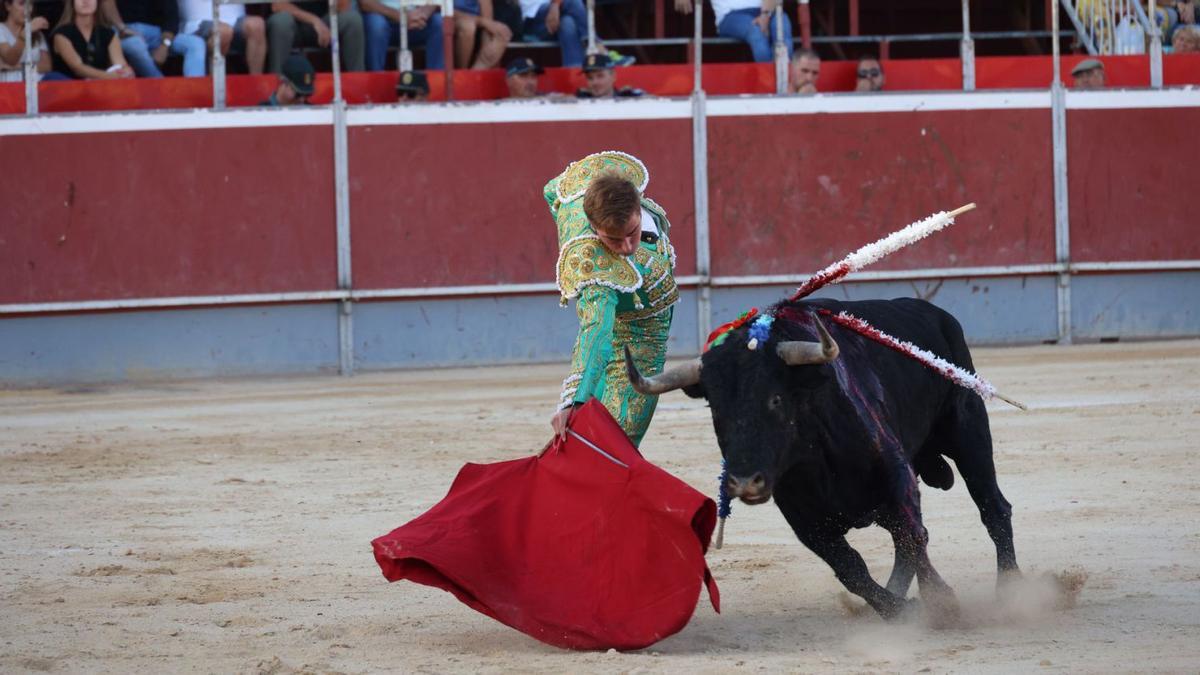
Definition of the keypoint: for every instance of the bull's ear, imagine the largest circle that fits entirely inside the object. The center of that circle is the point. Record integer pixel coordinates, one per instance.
(695, 390)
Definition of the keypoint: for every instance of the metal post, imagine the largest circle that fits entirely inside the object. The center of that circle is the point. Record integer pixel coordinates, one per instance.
(854, 17)
(1156, 72)
(448, 46)
(336, 48)
(1062, 219)
(1054, 47)
(404, 55)
(30, 65)
(804, 18)
(700, 188)
(967, 49)
(341, 199)
(697, 46)
(659, 20)
(218, 61)
(591, 36)
(781, 57)
(341, 178)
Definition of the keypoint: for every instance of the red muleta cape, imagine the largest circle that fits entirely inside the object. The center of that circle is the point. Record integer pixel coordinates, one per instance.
(571, 548)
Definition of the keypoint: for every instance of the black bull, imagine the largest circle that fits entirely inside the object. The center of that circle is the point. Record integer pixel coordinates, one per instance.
(837, 428)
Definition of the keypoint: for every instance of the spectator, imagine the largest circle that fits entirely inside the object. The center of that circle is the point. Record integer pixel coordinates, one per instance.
(805, 68)
(296, 77)
(412, 86)
(566, 19)
(146, 29)
(382, 22)
(85, 48)
(1088, 74)
(1180, 14)
(12, 41)
(1186, 40)
(751, 21)
(602, 79)
(235, 28)
(870, 74)
(306, 24)
(522, 78)
(471, 19)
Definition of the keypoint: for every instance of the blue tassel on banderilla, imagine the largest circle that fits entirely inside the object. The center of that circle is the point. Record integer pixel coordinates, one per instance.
(723, 504)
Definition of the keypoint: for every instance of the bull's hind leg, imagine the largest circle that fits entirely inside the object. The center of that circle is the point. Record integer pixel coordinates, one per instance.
(971, 449)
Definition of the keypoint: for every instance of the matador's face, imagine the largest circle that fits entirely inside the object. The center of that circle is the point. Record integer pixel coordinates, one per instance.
(622, 240)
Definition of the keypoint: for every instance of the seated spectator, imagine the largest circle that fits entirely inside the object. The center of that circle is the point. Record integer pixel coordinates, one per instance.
(146, 29)
(522, 78)
(85, 48)
(306, 24)
(1180, 13)
(234, 28)
(1186, 40)
(12, 41)
(750, 21)
(412, 86)
(566, 20)
(1088, 74)
(870, 74)
(296, 77)
(381, 19)
(602, 79)
(805, 68)
(474, 19)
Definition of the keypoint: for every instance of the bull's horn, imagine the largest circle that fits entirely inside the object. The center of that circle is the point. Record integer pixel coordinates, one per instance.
(800, 353)
(678, 377)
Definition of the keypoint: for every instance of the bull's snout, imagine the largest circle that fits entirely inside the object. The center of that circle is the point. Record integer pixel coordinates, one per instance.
(749, 489)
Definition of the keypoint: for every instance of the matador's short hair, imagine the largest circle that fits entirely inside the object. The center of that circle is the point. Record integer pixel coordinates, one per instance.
(610, 201)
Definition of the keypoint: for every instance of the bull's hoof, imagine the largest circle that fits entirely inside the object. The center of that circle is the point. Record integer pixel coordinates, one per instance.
(943, 611)
(1006, 579)
(901, 610)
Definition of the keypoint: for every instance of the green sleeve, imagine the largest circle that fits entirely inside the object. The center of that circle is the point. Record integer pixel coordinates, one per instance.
(597, 309)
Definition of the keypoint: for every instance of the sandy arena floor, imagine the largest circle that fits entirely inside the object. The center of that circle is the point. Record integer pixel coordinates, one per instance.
(224, 527)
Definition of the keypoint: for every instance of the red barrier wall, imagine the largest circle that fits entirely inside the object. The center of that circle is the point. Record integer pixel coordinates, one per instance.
(1132, 177)
(462, 204)
(999, 72)
(159, 214)
(251, 210)
(790, 194)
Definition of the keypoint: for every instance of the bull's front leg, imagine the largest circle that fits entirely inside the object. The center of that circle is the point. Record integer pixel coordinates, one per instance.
(847, 564)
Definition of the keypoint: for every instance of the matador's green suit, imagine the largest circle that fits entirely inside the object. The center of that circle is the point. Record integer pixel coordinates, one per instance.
(621, 300)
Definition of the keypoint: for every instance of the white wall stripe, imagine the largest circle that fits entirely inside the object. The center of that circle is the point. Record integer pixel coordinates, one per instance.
(869, 103)
(545, 110)
(570, 110)
(165, 120)
(1111, 99)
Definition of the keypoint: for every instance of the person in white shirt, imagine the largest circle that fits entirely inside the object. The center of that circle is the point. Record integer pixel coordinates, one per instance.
(12, 41)
(751, 21)
(250, 32)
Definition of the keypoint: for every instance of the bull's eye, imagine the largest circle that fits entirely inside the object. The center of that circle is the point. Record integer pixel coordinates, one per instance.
(774, 402)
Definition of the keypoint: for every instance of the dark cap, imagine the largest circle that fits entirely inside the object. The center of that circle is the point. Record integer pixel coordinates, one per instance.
(412, 82)
(299, 73)
(1086, 65)
(595, 62)
(523, 64)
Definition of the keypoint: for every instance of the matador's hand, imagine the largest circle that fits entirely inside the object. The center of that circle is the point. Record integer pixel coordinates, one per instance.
(561, 421)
